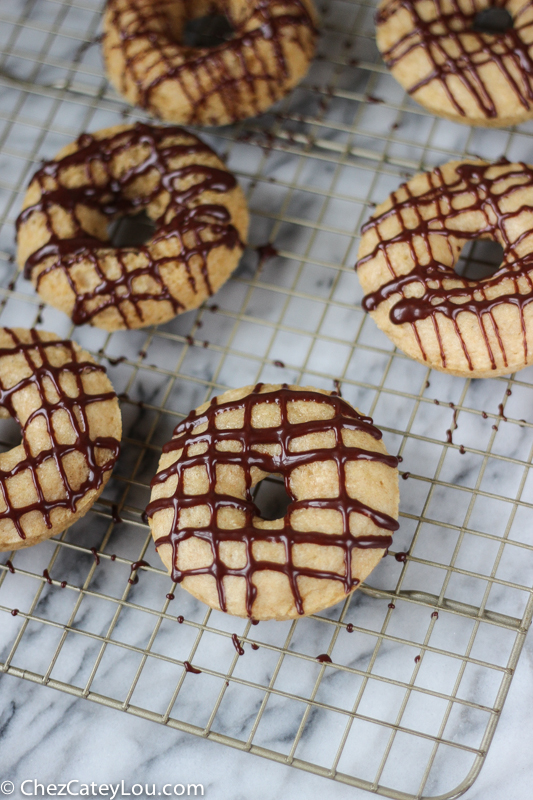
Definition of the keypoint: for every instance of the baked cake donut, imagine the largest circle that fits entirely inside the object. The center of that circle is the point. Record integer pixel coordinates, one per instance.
(71, 430)
(342, 485)
(198, 209)
(453, 70)
(408, 252)
(269, 53)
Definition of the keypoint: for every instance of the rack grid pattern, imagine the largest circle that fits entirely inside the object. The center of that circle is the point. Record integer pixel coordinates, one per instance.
(413, 693)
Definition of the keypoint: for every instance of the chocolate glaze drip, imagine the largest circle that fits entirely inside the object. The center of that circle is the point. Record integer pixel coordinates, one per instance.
(453, 28)
(46, 575)
(324, 658)
(180, 619)
(10, 567)
(115, 516)
(134, 567)
(487, 195)
(190, 668)
(181, 219)
(255, 646)
(47, 374)
(96, 556)
(227, 72)
(236, 644)
(345, 417)
(266, 251)
(350, 628)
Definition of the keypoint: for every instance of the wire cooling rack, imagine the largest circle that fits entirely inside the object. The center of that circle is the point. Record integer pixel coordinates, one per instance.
(423, 655)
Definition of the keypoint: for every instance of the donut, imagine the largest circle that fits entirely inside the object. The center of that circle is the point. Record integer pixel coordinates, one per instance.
(199, 212)
(268, 55)
(71, 430)
(408, 251)
(455, 71)
(342, 485)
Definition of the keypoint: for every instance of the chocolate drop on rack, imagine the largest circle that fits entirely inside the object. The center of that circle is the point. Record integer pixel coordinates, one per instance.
(147, 31)
(190, 668)
(506, 50)
(345, 417)
(236, 644)
(209, 224)
(134, 568)
(75, 407)
(470, 296)
(324, 658)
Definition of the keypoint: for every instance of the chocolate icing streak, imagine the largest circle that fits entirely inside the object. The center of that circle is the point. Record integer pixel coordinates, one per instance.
(50, 376)
(345, 417)
(234, 74)
(446, 28)
(444, 292)
(180, 219)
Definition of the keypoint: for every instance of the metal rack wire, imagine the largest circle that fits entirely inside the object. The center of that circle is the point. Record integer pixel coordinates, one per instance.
(423, 655)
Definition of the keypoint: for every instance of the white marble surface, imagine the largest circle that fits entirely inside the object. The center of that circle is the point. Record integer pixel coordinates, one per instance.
(466, 519)
(55, 738)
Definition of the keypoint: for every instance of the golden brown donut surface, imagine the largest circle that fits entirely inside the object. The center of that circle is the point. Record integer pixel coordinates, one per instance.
(198, 209)
(407, 256)
(269, 53)
(71, 430)
(457, 72)
(342, 485)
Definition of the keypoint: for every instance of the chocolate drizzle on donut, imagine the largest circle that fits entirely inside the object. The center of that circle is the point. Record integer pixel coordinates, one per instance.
(444, 292)
(226, 73)
(450, 29)
(196, 228)
(249, 438)
(46, 379)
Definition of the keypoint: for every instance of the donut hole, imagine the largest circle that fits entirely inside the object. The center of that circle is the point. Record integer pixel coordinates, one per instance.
(493, 21)
(271, 498)
(211, 30)
(131, 231)
(479, 259)
(10, 432)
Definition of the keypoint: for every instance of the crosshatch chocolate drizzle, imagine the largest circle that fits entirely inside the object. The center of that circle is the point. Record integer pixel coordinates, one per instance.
(453, 28)
(208, 224)
(345, 417)
(50, 375)
(226, 71)
(488, 194)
